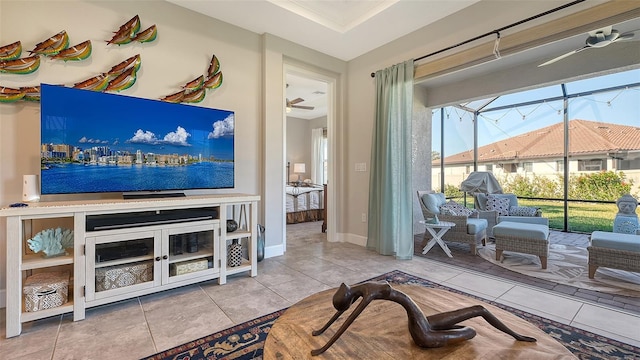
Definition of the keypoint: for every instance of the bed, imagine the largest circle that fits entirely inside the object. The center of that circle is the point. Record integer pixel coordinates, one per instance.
(304, 203)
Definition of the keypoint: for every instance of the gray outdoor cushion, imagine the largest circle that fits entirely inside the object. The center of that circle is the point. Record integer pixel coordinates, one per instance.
(627, 242)
(524, 230)
(474, 225)
(433, 201)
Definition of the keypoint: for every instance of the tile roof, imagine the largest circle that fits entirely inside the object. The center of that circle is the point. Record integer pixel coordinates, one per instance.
(586, 137)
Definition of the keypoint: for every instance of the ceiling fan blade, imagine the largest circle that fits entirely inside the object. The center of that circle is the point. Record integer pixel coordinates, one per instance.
(295, 101)
(627, 36)
(302, 107)
(563, 56)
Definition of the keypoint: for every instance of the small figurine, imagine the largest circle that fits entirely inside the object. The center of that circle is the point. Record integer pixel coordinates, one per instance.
(626, 220)
(52, 241)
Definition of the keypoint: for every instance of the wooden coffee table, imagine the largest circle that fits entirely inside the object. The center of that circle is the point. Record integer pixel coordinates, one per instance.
(380, 332)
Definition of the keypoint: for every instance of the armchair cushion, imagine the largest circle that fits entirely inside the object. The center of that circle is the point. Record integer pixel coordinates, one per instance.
(432, 202)
(475, 226)
(455, 209)
(522, 211)
(499, 204)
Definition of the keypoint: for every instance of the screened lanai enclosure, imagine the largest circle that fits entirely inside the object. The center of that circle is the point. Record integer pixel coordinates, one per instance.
(570, 149)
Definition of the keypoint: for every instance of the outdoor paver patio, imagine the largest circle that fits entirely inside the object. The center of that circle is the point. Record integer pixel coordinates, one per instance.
(462, 258)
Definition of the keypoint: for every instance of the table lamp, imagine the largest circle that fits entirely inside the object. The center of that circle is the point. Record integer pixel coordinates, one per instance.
(299, 168)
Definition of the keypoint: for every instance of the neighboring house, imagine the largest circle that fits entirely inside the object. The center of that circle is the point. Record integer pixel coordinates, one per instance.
(593, 146)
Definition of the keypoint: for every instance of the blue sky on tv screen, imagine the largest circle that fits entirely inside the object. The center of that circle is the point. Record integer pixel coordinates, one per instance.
(88, 119)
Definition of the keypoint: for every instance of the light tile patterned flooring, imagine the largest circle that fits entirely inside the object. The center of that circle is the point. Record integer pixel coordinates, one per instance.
(142, 326)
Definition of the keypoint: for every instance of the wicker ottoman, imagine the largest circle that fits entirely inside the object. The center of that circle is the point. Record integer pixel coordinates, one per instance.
(614, 250)
(523, 238)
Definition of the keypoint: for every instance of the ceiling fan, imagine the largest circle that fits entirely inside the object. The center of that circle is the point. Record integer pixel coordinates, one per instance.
(292, 104)
(597, 39)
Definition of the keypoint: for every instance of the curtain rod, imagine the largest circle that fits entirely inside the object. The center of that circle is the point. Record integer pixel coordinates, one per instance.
(497, 31)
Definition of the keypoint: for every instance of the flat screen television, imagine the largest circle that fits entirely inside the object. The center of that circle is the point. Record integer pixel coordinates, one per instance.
(94, 142)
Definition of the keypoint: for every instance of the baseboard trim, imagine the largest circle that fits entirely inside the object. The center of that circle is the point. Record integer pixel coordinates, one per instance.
(272, 251)
(277, 250)
(354, 239)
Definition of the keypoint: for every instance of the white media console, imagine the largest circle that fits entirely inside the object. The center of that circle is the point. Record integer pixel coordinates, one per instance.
(127, 248)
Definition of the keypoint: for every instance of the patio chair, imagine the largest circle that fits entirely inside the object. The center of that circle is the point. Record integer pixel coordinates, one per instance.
(508, 210)
(468, 230)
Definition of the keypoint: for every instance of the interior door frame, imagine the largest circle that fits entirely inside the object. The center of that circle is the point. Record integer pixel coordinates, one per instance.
(331, 82)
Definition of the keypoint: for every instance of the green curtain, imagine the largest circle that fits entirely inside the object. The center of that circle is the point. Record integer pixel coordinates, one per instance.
(390, 229)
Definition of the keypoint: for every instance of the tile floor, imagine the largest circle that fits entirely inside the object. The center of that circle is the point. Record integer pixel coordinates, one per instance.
(142, 326)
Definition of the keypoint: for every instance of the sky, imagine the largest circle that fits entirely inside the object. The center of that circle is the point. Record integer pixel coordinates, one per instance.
(618, 106)
(87, 118)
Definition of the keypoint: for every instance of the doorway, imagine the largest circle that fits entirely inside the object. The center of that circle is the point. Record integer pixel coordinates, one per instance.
(309, 108)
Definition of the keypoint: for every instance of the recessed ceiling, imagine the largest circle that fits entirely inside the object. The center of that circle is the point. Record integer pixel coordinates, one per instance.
(344, 29)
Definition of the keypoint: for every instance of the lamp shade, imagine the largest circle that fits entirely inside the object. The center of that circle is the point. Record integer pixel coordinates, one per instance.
(299, 168)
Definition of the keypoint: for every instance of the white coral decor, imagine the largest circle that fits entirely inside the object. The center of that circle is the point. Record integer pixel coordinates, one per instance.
(51, 241)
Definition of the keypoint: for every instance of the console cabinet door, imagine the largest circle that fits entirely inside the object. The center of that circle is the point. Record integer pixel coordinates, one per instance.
(192, 252)
(119, 263)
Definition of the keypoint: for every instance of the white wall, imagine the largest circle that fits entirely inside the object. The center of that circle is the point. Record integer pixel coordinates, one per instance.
(298, 144)
(299, 141)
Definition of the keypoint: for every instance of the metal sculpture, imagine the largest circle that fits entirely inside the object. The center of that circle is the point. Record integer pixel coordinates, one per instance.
(432, 331)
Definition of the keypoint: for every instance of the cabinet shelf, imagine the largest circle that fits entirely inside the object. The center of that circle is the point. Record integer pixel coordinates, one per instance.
(238, 234)
(37, 261)
(41, 314)
(124, 261)
(202, 253)
(245, 266)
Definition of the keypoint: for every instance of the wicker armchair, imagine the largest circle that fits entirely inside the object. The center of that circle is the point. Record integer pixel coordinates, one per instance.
(493, 218)
(468, 230)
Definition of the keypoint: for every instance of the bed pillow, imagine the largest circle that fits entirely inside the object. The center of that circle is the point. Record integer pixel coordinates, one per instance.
(499, 204)
(522, 211)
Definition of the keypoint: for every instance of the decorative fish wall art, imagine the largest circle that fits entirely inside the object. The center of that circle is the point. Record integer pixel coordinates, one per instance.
(57, 48)
(174, 98)
(11, 51)
(20, 66)
(195, 90)
(10, 94)
(134, 61)
(52, 45)
(128, 32)
(147, 35)
(74, 53)
(123, 81)
(96, 83)
(214, 75)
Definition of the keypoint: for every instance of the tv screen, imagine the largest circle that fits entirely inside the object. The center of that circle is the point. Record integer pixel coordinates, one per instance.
(94, 142)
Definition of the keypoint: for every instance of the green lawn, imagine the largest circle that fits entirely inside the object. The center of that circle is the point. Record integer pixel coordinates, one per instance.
(583, 217)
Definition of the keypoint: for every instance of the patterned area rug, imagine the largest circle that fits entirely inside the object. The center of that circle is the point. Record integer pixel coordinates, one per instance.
(567, 265)
(246, 341)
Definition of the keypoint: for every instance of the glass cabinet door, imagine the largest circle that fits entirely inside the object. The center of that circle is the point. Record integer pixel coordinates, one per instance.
(191, 252)
(120, 263)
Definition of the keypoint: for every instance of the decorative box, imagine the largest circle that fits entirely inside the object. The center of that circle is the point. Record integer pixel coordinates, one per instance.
(46, 290)
(186, 267)
(117, 276)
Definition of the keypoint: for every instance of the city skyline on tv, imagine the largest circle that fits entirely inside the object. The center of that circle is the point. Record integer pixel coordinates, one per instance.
(125, 123)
